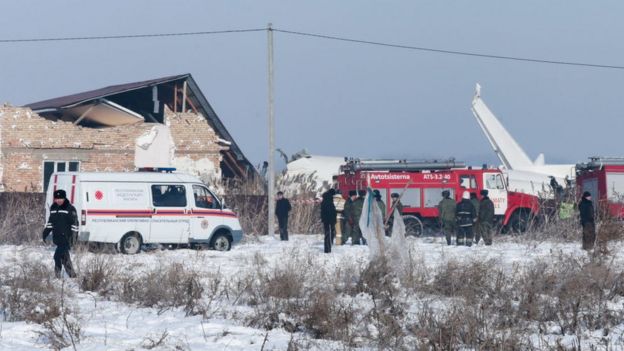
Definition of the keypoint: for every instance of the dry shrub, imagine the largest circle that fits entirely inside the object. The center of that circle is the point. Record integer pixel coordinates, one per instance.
(173, 286)
(21, 217)
(98, 275)
(28, 293)
(609, 230)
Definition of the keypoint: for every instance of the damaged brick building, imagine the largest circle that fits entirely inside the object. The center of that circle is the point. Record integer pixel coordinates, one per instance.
(100, 130)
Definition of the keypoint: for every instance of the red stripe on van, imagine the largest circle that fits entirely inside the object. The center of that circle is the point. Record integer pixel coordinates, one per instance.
(73, 189)
(146, 213)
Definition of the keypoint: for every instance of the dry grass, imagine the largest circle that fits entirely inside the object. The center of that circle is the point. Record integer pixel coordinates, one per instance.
(21, 217)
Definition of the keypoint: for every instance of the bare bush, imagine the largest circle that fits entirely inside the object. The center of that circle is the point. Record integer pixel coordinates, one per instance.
(28, 293)
(165, 287)
(98, 275)
(21, 217)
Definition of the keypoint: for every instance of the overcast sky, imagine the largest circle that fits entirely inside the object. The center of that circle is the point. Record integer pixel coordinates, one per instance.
(345, 99)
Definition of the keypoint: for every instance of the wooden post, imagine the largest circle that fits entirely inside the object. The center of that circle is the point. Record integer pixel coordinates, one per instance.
(184, 98)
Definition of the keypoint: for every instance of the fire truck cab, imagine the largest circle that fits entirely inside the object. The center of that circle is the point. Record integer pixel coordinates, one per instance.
(603, 177)
(421, 184)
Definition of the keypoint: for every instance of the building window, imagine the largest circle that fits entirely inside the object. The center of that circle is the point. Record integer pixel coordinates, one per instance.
(50, 167)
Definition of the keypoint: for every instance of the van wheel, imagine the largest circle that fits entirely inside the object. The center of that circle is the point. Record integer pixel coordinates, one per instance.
(130, 244)
(221, 242)
(413, 226)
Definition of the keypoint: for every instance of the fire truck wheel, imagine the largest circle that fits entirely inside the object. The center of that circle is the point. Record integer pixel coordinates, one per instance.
(413, 226)
(130, 244)
(520, 221)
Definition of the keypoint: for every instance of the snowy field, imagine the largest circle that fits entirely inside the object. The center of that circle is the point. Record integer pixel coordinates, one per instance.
(109, 324)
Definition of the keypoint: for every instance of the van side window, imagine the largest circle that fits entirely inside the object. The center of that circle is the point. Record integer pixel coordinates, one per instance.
(203, 198)
(171, 195)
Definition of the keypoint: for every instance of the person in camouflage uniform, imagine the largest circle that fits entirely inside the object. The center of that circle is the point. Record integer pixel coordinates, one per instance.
(396, 204)
(358, 205)
(380, 203)
(347, 214)
(446, 207)
(485, 219)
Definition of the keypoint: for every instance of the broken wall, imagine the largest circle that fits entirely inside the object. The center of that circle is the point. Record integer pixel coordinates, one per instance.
(27, 140)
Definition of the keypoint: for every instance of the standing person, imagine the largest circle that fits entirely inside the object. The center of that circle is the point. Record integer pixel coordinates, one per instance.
(63, 223)
(282, 208)
(586, 208)
(446, 209)
(347, 213)
(328, 217)
(466, 216)
(475, 202)
(380, 203)
(358, 205)
(396, 204)
(485, 219)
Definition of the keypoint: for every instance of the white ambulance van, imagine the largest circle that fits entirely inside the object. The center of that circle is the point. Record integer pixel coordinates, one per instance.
(136, 208)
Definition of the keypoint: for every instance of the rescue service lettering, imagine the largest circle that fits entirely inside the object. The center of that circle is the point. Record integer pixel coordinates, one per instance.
(131, 195)
(390, 176)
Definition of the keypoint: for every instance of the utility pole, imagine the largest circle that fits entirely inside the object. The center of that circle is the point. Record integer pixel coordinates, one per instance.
(271, 160)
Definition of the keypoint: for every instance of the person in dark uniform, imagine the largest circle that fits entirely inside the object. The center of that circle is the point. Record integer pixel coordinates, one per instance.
(466, 217)
(282, 208)
(63, 223)
(328, 217)
(586, 209)
(485, 218)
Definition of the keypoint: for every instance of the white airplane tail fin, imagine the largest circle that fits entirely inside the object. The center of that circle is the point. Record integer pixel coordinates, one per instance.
(507, 149)
(539, 161)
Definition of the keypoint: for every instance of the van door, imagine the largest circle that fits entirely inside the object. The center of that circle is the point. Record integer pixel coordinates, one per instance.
(206, 211)
(170, 223)
(497, 192)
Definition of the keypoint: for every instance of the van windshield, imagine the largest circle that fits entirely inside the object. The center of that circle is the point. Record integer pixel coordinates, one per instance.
(169, 195)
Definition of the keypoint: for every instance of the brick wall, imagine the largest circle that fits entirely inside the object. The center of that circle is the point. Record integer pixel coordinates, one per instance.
(27, 140)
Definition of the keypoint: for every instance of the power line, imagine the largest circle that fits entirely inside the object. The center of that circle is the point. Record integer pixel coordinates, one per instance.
(449, 52)
(131, 36)
(320, 36)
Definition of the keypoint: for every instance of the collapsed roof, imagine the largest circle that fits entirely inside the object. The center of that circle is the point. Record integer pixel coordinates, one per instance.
(144, 102)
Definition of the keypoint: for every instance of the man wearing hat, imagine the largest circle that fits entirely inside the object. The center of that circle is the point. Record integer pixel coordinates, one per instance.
(446, 209)
(347, 213)
(485, 220)
(63, 223)
(586, 208)
(380, 203)
(466, 217)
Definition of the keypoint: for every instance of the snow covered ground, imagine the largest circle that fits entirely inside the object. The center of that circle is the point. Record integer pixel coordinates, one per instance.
(107, 324)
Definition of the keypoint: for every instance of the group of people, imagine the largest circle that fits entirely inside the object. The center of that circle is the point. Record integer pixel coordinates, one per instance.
(351, 216)
(469, 219)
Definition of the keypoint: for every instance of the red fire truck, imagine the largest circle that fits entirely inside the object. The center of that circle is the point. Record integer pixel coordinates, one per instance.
(421, 184)
(603, 177)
